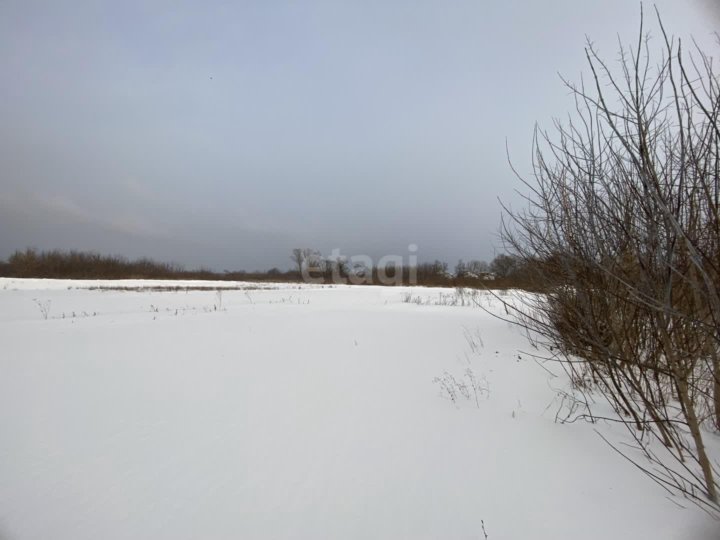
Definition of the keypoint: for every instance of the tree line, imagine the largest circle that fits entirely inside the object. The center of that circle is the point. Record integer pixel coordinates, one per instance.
(58, 264)
(505, 270)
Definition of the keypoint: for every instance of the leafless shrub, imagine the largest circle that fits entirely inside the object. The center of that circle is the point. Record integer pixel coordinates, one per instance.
(623, 231)
(467, 387)
(44, 307)
(460, 296)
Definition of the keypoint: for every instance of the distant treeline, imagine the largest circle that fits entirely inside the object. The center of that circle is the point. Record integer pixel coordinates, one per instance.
(57, 264)
(90, 265)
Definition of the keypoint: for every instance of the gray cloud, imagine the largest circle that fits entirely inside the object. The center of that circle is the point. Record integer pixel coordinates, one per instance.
(226, 135)
(712, 9)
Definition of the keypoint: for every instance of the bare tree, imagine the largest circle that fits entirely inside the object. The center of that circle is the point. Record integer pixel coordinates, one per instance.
(503, 265)
(306, 260)
(478, 267)
(623, 232)
(298, 257)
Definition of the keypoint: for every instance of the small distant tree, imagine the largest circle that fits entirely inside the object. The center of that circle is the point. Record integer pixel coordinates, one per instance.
(478, 267)
(314, 268)
(504, 265)
(432, 273)
(303, 257)
(440, 267)
(298, 258)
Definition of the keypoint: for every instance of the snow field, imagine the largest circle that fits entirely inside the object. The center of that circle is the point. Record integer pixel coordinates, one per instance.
(295, 412)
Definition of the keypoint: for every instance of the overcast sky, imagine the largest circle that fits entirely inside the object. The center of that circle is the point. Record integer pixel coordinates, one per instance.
(226, 133)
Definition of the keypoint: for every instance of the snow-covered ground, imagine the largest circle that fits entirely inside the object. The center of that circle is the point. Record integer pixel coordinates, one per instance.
(285, 411)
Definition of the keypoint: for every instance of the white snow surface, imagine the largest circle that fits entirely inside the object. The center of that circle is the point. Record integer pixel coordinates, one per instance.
(290, 411)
